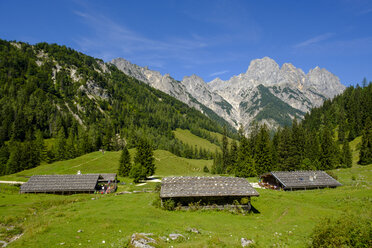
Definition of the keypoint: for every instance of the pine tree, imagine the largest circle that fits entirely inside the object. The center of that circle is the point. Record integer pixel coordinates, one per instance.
(245, 166)
(329, 155)
(60, 145)
(365, 155)
(284, 149)
(233, 157)
(225, 151)
(4, 156)
(263, 156)
(144, 157)
(346, 156)
(124, 164)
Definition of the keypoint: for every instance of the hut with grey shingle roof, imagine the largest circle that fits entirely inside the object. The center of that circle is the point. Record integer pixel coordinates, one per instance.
(218, 191)
(298, 180)
(67, 184)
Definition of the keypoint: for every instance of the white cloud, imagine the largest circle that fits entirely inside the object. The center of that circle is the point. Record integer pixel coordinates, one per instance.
(218, 73)
(314, 40)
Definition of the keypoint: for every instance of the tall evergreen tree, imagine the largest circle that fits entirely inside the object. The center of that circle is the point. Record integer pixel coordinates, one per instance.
(233, 157)
(144, 156)
(125, 163)
(346, 156)
(263, 156)
(60, 145)
(284, 149)
(329, 155)
(225, 151)
(245, 166)
(365, 155)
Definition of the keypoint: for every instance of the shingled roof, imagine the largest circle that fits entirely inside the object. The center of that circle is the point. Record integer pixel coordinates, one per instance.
(304, 179)
(60, 183)
(205, 187)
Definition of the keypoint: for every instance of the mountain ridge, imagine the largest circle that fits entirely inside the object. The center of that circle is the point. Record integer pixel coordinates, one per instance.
(232, 99)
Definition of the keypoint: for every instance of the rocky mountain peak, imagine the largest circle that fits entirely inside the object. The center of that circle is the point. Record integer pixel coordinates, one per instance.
(264, 70)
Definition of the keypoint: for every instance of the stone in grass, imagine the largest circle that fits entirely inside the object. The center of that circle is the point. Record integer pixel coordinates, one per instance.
(141, 240)
(193, 230)
(175, 236)
(246, 242)
(80, 231)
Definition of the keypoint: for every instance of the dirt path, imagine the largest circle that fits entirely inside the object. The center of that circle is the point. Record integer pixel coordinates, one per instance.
(12, 182)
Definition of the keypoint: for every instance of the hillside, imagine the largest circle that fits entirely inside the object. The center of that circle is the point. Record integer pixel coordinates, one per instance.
(166, 164)
(50, 91)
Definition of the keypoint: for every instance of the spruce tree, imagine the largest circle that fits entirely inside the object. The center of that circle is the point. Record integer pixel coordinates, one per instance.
(144, 157)
(60, 145)
(245, 166)
(4, 156)
(329, 155)
(284, 149)
(263, 156)
(124, 164)
(365, 155)
(233, 157)
(346, 156)
(225, 151)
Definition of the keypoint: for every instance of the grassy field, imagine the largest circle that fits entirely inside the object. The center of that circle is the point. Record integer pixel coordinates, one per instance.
(166, 163)
(285, 219)
(188, 138)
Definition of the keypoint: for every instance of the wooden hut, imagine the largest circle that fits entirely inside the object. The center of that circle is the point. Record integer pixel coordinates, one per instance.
(208, 191)
(70, 184)
(298, 180)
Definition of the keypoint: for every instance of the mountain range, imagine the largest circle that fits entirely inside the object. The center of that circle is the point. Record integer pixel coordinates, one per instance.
(266, 92)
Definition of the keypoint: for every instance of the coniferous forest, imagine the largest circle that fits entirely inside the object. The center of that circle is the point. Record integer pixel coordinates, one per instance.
(57, 104)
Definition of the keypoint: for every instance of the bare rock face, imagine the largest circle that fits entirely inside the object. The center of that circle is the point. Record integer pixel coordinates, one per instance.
(266, 92)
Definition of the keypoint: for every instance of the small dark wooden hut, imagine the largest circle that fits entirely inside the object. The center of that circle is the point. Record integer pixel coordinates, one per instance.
(208, 191)
(298, 180)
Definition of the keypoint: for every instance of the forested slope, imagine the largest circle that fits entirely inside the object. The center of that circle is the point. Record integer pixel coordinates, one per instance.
(47, 90)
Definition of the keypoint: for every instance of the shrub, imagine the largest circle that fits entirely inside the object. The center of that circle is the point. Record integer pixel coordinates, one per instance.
(169, 205)
(205, 169)
(332, 174)
(346, 231)
(157, 187)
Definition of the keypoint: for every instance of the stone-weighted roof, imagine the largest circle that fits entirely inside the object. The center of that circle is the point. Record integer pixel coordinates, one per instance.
(304, 179)
(205, 187)
(60, 183)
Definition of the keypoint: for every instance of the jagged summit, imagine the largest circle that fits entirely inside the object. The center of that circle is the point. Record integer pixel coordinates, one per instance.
(250, 95)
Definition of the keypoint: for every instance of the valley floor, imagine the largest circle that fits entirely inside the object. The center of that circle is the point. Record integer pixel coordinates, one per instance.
(285, 219)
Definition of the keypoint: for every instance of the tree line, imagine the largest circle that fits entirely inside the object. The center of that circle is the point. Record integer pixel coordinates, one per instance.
(320, 142)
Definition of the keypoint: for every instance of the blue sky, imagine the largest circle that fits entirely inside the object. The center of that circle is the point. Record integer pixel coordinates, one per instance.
(211, 39)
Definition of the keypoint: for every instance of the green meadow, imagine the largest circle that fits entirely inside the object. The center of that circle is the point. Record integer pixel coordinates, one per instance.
(282, 219)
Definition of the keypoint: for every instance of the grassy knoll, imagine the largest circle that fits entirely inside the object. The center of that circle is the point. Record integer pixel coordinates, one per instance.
(285, 218)
(188, 138)
(96, 162)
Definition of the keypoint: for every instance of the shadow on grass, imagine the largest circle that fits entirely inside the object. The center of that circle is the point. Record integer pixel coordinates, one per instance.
(254, 210)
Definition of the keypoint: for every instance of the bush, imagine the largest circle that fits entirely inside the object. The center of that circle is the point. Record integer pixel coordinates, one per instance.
(332, 174)
(346, 231)
(169, 205)
(205, 169)
(138, 172)
(157, 187)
